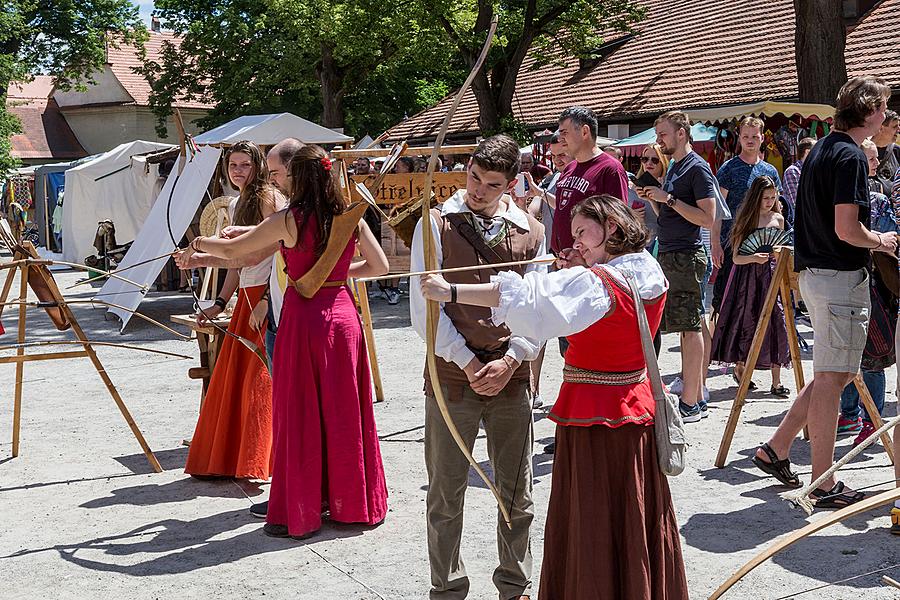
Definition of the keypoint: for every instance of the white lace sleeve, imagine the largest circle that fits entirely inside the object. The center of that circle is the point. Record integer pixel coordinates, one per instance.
(547, 305)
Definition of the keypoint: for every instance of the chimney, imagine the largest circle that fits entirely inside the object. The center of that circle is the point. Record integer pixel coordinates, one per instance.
(154, 24)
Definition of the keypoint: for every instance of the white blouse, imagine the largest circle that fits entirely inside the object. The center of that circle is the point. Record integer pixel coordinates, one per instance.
(548, 305)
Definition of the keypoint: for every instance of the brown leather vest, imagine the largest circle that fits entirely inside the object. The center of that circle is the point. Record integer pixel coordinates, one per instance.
(488, 341)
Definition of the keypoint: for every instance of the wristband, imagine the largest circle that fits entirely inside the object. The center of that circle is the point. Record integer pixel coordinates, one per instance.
(510, 362)
(452, 292)
(220, 302)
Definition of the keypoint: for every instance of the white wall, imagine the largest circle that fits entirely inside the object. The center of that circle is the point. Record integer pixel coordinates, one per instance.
(106, 90)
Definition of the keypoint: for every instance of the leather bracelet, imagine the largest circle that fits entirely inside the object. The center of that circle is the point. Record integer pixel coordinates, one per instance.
(453, 292)
(195, 243)
(511, 363)
(220, 302)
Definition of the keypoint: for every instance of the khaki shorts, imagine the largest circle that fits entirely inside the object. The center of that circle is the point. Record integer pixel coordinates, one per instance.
(685, 270)
(838, 304)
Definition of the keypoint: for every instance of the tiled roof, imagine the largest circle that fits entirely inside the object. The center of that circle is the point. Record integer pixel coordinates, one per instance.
(124, 59)
(686, 54)
(46, 133)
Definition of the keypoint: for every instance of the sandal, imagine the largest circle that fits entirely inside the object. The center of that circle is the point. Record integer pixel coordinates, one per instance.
(780, 391)
(779, 469)
(836, 497)
(737, 380)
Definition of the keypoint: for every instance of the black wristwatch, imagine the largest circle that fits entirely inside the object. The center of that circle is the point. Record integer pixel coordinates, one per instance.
(220, 302)
(671, 200)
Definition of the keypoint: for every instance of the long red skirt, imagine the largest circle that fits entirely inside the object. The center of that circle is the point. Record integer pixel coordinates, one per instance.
(326, 444)
(611, 531)
(234, 432)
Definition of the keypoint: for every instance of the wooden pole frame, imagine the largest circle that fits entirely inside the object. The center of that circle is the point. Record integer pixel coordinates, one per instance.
(781, 285)
(26, 254)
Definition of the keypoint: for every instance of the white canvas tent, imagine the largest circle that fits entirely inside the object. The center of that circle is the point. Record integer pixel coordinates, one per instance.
(115, 186)
(170, 219)
(267, 130)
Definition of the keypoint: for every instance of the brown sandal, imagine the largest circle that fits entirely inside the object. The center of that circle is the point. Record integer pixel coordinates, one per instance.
(779, 469)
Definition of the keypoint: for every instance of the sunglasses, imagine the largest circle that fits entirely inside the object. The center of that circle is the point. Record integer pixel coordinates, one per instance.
(650, 159)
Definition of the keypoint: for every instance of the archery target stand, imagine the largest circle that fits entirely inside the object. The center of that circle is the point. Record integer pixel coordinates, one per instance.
(783, 281)
(33, 271)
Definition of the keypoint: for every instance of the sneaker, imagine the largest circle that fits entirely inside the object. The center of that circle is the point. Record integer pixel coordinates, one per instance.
(704, 408)
(677, 386)
(392, 295)
(690, 414)
(260, 510)
(846, 426)
(864, 433)
(550, 448)
(895, 521)
(537, 401)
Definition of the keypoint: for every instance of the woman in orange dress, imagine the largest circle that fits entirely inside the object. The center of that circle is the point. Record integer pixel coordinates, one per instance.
(233, 437)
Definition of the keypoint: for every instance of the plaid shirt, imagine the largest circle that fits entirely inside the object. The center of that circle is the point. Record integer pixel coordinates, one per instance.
(791, 182)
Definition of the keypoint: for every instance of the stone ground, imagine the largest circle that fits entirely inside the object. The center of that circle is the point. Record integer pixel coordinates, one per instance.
(83, 515)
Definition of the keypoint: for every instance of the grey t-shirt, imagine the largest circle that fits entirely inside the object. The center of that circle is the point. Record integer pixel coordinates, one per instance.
(689, 180)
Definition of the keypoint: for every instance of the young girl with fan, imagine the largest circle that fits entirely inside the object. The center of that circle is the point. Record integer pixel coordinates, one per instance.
(758, 228)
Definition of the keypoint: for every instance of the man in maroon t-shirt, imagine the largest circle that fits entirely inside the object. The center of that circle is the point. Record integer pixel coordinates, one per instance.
(591, 173)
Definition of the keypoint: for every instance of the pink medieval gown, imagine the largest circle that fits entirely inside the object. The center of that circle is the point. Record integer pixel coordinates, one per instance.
(326, 452)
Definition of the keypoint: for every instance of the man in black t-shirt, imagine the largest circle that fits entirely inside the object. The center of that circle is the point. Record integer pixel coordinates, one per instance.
(832, 244)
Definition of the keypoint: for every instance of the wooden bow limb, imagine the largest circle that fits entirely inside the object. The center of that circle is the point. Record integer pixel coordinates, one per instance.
(431, 264)
(138, 264)
(515, 263)
(832, 518)
(92, 301)
(91, 343)
(801, 498)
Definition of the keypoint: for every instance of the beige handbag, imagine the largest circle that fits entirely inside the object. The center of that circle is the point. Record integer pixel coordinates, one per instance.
(671, 442)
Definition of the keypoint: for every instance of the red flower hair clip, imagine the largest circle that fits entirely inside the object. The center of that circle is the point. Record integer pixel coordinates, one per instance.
(326, 163)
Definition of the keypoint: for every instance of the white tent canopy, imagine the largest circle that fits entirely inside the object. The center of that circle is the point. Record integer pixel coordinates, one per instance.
(267, 130)
(115, 186)
(173, 210)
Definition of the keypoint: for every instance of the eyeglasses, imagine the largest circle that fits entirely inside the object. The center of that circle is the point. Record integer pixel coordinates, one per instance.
(654, 160)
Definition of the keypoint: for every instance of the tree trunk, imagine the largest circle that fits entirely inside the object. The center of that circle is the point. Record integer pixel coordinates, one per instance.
(488, 108)
(819, 41)
(331, 79)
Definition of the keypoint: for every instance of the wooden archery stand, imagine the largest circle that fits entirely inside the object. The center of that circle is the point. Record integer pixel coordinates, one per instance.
(33, 271)
(783, 281)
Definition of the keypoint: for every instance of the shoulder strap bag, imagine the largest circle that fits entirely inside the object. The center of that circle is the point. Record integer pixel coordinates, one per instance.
(671, 442)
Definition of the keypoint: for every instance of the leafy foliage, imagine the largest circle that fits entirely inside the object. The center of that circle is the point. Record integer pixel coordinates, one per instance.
(63, 38)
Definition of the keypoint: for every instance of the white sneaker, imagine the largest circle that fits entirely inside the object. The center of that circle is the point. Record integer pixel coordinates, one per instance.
(677, 386)
(537, 402)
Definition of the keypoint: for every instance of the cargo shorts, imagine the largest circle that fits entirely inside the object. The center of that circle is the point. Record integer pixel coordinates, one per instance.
(685, 270)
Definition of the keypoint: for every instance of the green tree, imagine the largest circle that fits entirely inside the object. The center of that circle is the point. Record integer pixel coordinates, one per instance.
(63, 38)
(553, 29)
(350, 64)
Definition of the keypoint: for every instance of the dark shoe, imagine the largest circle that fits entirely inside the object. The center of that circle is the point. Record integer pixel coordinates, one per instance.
(704, 408)
(260, 510)
(779, 469)
(737, 380)
(550, 448)
(836, 497)
(690, 414)
(780, 391)
(211, 477)
(281, 531)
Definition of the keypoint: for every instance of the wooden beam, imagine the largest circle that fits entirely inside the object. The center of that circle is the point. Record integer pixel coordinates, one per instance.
(5, 360)
(418, 150)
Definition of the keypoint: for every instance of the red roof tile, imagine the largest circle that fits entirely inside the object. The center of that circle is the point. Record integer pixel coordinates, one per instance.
(687, 54)
(124, 59)
(46, 133)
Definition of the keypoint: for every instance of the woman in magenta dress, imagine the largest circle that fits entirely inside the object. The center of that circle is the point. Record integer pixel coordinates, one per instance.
(326, 449)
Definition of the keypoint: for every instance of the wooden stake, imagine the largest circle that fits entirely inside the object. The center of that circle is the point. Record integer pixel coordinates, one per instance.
(20, 352)
(362, 295)
(866, 399)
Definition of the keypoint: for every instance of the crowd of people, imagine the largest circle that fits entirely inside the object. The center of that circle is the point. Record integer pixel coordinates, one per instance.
(654, 239)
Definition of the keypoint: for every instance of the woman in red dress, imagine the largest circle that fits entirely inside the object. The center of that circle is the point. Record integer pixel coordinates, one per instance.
(327, 456)
(611, 531)
(233, 436)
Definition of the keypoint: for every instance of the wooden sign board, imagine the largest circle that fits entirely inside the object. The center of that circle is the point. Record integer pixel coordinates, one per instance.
(400, 188)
